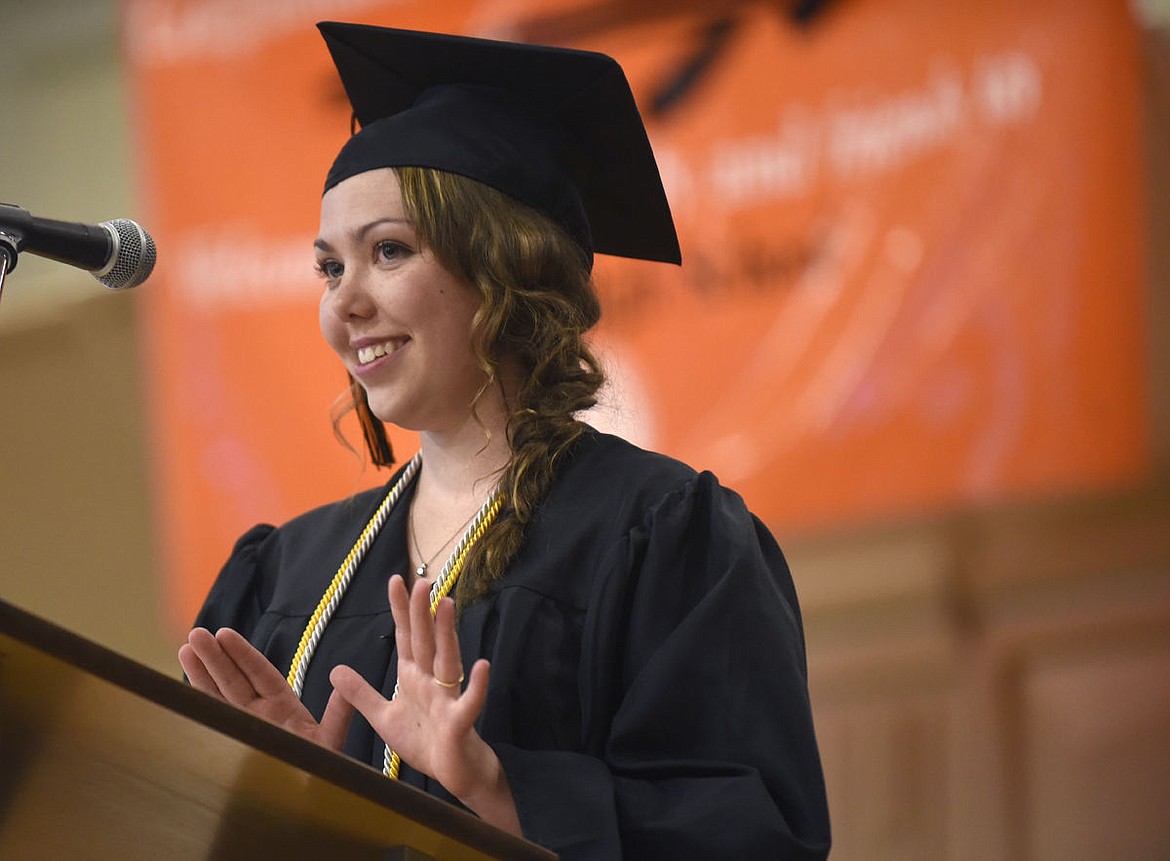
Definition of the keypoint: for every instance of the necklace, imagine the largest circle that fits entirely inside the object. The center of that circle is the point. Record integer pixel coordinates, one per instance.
(421, 571)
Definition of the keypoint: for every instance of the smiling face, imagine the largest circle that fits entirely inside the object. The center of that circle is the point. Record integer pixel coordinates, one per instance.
(400, 322)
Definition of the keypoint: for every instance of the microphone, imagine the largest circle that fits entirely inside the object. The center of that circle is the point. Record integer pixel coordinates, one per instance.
(119, 253)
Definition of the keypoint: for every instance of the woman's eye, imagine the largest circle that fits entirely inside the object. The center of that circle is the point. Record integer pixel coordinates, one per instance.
(389, 251)
(329, 269)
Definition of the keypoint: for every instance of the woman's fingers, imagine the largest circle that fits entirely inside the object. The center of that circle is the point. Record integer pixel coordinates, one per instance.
(447, 666)
(422, 628)
(400, 610)
(226, 665)
(477, 687)
(335, 722)
(196, 672)
(262, 676)
(356, 691)
(222, 671)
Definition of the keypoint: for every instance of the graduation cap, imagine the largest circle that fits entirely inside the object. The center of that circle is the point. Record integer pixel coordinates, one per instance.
(554, 128)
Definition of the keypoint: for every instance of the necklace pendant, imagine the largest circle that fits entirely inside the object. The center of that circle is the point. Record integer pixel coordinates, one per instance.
(421, 571)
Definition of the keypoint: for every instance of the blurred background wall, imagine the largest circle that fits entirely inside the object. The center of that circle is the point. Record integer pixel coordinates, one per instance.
(989, 683)
(75, 516)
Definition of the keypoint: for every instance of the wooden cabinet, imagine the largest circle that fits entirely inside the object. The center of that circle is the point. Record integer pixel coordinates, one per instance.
(996, 686)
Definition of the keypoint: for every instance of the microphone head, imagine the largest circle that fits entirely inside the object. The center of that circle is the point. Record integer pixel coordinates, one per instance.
(132, 255)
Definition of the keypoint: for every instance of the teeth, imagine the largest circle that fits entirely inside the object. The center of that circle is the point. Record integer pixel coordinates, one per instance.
(368, 354)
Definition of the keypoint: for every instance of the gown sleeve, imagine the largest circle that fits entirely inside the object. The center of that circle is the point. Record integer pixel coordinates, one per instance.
(699, 740)
(236, 599)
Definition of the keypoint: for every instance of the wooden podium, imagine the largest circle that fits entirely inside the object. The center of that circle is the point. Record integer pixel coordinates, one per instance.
(101, 757)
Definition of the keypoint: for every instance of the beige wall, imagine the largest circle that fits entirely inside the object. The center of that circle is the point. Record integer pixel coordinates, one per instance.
(75, 531)
(988, 684)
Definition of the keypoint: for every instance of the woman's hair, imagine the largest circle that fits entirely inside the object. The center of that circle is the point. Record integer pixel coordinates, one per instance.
(537, 303)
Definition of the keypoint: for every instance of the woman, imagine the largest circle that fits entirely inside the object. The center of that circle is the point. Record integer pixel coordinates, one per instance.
(621, 669)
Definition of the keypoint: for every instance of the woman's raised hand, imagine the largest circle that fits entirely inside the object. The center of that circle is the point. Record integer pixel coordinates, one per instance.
(431, 722)
(228, 667)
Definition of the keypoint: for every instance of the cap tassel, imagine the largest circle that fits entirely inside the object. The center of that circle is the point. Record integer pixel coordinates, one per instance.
(372, 428)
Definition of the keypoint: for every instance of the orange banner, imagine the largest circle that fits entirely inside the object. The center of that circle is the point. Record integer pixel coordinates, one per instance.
(912, 245)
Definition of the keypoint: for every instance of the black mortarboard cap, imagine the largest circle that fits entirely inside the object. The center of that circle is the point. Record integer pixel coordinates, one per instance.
(555, 128)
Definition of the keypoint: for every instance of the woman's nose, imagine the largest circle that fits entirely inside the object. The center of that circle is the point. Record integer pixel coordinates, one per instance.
(351, 297)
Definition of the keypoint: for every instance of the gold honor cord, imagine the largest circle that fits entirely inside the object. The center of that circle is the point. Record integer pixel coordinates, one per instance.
(444, 583)
(336, 590)
(442, 586)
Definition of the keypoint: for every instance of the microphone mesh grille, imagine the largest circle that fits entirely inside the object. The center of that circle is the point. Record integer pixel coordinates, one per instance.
(133, 258)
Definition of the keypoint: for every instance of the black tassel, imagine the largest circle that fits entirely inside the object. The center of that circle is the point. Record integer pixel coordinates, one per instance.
(372, 428)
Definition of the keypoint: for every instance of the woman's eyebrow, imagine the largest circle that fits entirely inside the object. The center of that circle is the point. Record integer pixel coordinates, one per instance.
(358, 233)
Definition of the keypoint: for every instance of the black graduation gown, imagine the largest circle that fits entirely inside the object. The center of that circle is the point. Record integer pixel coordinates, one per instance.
(648, 694)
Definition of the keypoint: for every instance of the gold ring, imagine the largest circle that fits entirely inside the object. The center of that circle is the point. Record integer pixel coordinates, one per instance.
(444, 684)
